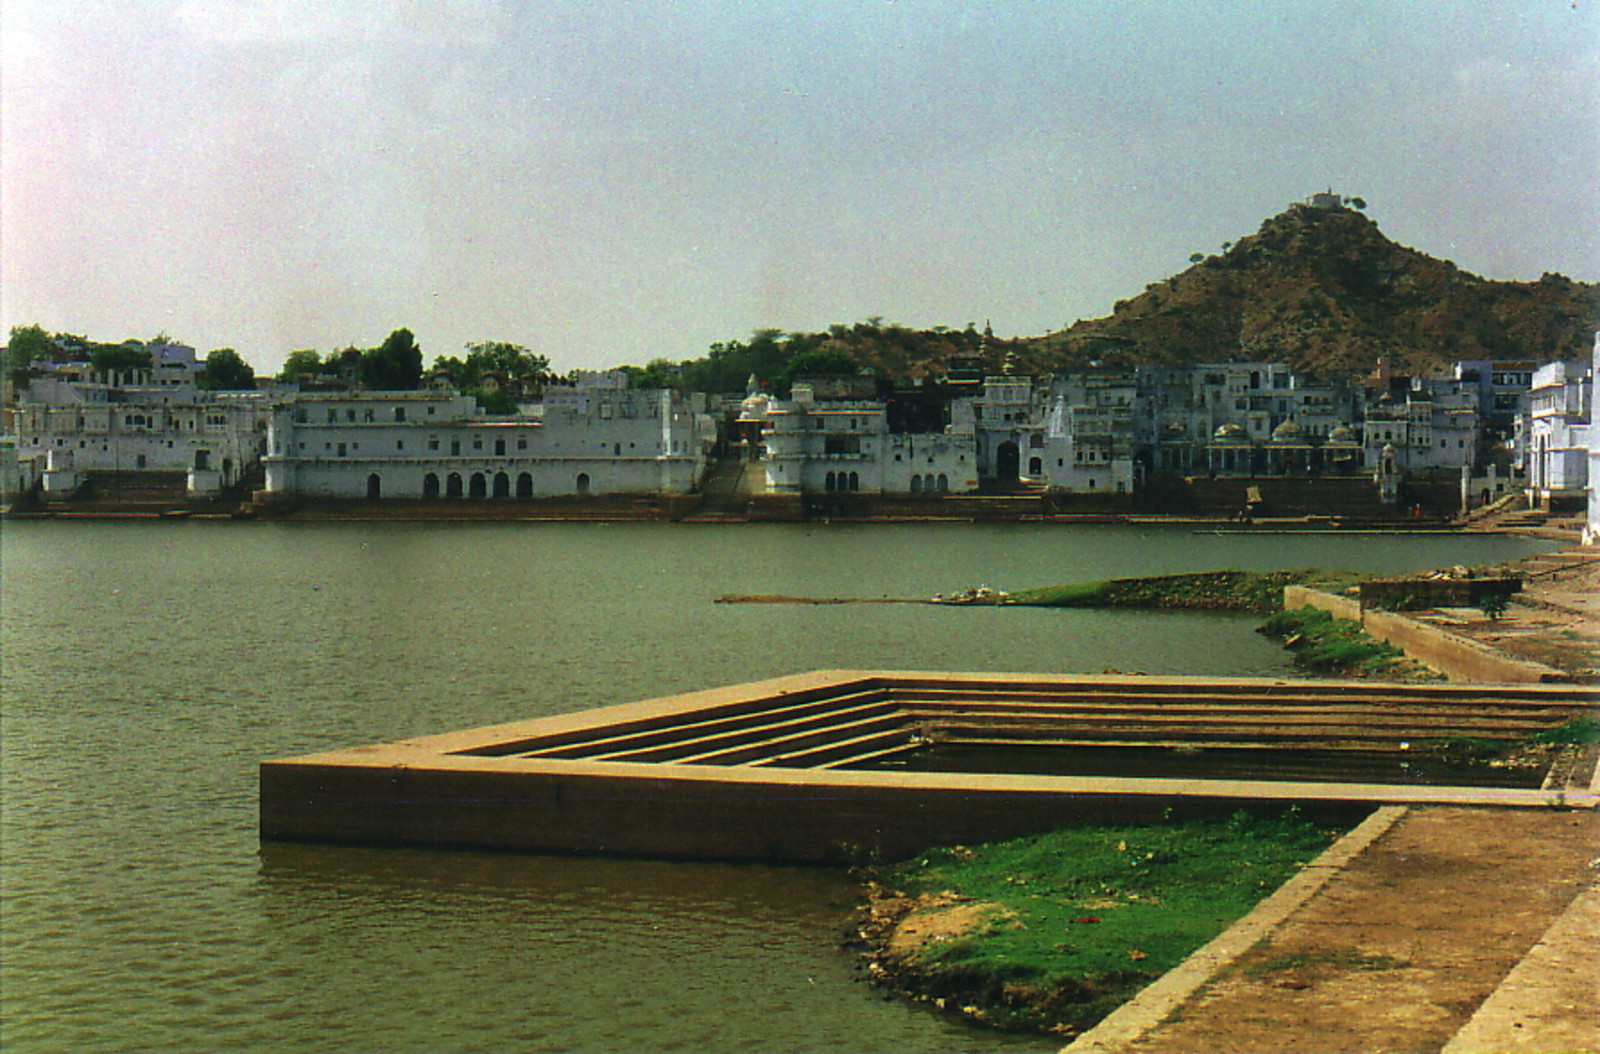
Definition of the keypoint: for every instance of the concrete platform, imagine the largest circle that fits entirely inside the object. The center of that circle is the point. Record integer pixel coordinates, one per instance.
(1466, 931)
(764, 771)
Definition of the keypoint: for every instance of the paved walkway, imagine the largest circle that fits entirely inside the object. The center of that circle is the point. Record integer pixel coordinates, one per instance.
(1450, 931)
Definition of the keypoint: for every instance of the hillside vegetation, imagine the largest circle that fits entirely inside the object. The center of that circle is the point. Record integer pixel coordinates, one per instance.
(1321, 289)
(1324, 291)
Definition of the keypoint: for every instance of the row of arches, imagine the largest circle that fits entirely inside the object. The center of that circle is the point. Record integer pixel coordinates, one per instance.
(478, 485)
(842, 482)
(930, 484)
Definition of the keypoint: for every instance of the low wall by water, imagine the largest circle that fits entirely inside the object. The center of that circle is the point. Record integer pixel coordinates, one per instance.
(1457, 657)
(559, 784)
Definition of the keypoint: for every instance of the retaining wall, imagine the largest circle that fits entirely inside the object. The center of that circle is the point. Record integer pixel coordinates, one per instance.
(1457, 657)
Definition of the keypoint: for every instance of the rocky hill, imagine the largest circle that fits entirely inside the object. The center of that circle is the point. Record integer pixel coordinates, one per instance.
(1324, 290)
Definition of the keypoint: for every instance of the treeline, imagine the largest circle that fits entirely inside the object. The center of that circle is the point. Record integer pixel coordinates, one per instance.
(30, 346)
(496, 373)
(895, 354)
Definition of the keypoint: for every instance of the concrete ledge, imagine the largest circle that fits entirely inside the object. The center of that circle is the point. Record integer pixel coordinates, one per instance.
(554, 784)
(1347, 608)
(1547, 1002)
(1456, 657)
(1162, 997)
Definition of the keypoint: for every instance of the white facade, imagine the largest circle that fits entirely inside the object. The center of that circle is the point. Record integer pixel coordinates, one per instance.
(438, 445)
(1557, 429)
(142, 423)
(844, 446)
(1437, 430)
(1086, 446)
(1591, 531)
(1008, 426)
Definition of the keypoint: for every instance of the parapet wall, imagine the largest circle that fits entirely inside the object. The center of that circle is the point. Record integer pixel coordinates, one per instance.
(1455, 656)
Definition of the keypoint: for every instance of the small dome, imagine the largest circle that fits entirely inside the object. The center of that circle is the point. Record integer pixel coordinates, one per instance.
(754, 407)
(1341, 434)
(1174, 431)
(1288, 432)
(1229, 433)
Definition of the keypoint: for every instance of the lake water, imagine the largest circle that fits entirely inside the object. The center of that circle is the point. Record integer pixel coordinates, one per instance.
(147, 669)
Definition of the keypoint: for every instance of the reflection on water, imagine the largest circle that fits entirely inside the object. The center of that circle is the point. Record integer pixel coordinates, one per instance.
(148, 668)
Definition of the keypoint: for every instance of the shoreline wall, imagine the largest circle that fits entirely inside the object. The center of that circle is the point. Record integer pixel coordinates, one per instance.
(1457, 657)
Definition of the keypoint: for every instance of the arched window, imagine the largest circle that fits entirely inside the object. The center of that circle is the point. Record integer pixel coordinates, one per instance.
(525, 485)
(430, 485)
(478, 487)
(374, 487)
(916, 484)
(452, 485)
(583, 483)
(855, 481)
(502, 482)
(830, 482)
(944, 483)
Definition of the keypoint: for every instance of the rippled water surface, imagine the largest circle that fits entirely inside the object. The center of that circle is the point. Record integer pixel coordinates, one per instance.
(147, 668)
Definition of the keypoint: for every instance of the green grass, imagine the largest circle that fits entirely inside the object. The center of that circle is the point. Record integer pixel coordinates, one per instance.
(1324, 643)
(1580, 731)
(1085, 917)
(1251, 591)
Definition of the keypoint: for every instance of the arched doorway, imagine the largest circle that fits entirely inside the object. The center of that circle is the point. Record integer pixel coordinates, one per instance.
(583, 483)
(502, 485)
(374, 487)
(452, 485)
(430, 485)
(525, 485)
(478, 487)
(1007, 462)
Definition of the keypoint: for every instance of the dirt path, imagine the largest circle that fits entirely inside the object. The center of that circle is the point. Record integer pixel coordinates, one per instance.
(1402, 946)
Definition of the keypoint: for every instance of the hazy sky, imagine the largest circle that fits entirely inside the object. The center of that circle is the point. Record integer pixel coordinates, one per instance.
(609, 182)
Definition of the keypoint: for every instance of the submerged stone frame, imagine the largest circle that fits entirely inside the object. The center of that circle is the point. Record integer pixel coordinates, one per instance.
(755, 771)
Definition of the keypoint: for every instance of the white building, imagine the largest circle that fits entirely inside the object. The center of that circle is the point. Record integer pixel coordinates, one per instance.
(1591, 531)
(1430, 426)
(153, 421)
(844, 446)
(1086, 445)
(1557, 429)
(1008, 428)
(596, 438)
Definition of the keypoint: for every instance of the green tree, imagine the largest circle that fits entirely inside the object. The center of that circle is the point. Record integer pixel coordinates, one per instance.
(28, 345)
(120, 358)
(513, 360)
(395, 365)
(829, 361)
(657, 373)
(305, 362)
(226, 371)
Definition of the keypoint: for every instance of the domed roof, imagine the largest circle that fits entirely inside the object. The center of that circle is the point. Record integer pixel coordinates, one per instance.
(1229, 433)
(1288, 432)
(754, 407)
(1341, 434)
(1174, 431)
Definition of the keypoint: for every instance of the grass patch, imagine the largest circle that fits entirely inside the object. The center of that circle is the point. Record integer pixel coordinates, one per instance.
(1580, 731)
(1257, 592)
(1075, 922)
(1330, 645)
